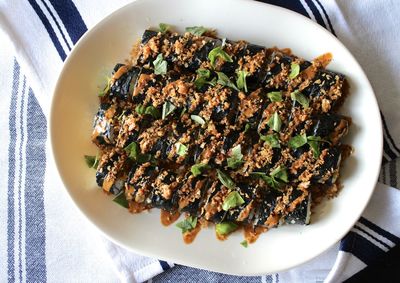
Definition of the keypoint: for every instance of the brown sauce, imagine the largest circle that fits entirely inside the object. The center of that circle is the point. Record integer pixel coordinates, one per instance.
(189, 236)
(167, 218)
(251, 233)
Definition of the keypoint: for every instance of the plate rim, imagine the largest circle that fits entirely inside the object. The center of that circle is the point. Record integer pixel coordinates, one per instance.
(279, 9)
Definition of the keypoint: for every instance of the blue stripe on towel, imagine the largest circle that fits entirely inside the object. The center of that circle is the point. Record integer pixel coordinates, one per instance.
(361, 248)
(57, 24)
(35, 230)
(11, 174)
(380, 231)
(164, 265)
(294, 5)
(71, 18)
(386, 129)
(316, 13)
(388, 150)
(49, 29)
(327, 17)
(372, 236)
(21, 163)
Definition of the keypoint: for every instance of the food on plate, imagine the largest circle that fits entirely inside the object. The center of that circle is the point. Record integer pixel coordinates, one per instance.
(224, 132)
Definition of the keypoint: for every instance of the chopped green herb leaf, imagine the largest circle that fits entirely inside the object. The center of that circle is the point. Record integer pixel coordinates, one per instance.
(181, 149)
(244, 243)
(143, 158)
(235, 160)
(281, 173)
(160, 65)
(92, 161)
(218, 52)
(313, 142)
(203, 73)
(196, 30)
(297, 96)
(202, 78)
(297, 141)
(247, 127)
(151, 110)
(167, 109)
(197, 119)
(275, 122)
(140, 109)
(188, 224)
(225, 228)
(183, 111)
(197, 169)
(106, 88)
(272, 140)
(164, 27)
(226, 180)
(225, 81)
(232, 200)
(241, 80)
(133, 150)
(269, 180)
(315, 148)
(121, 200)
(201, 81)
(294, 70)
(275, 96)
(134, 153)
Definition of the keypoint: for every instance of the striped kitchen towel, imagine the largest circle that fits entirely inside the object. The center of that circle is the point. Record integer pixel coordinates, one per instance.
(42, 238)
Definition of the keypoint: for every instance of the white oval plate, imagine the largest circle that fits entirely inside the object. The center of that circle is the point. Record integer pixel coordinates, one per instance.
(75, 102)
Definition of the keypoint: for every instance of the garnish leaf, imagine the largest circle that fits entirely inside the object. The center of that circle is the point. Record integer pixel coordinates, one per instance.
(196, 30)
(232, 200)
(225, 81)
(244, 243)
(92, 161)
(281, 173)
(160, 65)
(269, 180)
(294, 70)
(275, 96)
(297, 96)
(315, 148)
(218, 52)
(181, 149)
(297, 141)
(140, 109)
(278, 173)
(121, 200)
(241, 80)
(167, 109)
(314, 143)
(197, 119)
(188, 224)
(203, 73)
(197, 169)
(164, 27)
(106, 88)
(225, 228)
(272, 140)
(275, 122)
(226, 180)
(183, 111)
(202, 78)
(247, 127)
(133, 150)
(151, 110)
(235, 160)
